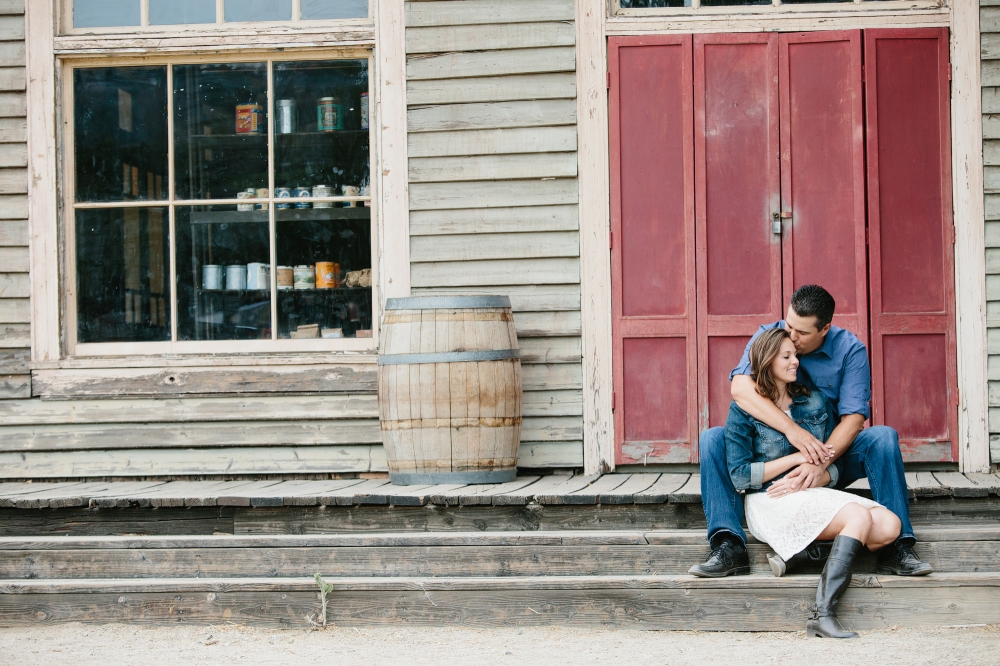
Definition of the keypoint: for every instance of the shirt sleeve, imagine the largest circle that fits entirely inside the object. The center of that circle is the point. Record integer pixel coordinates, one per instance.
(739, 451)
(744, 366)
(856, 385)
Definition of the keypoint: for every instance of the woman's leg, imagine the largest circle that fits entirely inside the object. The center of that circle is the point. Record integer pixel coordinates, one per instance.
(849, 529)
(885, 530)
(853, 520)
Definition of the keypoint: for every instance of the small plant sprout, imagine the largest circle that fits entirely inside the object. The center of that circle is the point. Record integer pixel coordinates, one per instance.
(325, 588)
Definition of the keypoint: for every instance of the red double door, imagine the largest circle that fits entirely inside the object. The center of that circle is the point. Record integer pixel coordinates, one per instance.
(746, 165)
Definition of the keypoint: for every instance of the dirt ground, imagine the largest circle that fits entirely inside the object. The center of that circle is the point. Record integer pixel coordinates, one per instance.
(81, 645)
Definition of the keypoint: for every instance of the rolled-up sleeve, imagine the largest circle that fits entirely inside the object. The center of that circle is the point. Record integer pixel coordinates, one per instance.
(856, 385)
(743, 471)
(834, 471)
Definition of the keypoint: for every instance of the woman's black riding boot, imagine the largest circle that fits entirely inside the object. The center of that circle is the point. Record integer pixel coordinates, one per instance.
(832, 584)
(817, 552)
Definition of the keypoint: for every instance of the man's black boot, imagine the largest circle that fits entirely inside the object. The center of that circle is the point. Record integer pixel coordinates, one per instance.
(900, 559)
(833, 583)
(817, 552)
(728, 558)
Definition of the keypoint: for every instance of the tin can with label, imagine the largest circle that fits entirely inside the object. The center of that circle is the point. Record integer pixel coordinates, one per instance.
(258, 276)
(364, 110)
(329, 114)
(236, 277)
(301, 193)
(211, 277)
(305, 277)
(285, 111)
(326, 278)
(350, 191)
(322, 191)
(283, 193)
(249, 119)
(262, 193)
(245, 194)
(286, 277)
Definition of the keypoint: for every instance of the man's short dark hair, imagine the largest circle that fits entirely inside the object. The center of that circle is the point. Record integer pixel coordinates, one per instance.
(812, 300)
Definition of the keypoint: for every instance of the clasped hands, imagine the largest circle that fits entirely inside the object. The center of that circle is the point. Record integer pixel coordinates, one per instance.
(811, 471)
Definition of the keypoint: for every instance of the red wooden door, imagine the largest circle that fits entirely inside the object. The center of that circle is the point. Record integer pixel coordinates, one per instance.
(653, 292)
(911, 240)
(737, 189)
(823, 170)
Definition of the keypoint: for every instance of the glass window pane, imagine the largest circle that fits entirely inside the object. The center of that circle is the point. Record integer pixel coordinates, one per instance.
(120, 132)
(175, 12)
(731, 3)
(333, 9)
(122, 275)
(324, 271)
(223, 269)
(646, 4)
(321, 126)
(220, 129)
(105, 13)
(258, 10)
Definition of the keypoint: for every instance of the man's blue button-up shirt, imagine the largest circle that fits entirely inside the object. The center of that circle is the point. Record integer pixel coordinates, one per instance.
(839, 369)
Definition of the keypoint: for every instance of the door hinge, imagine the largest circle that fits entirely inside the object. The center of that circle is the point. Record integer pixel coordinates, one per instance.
(609, 80)
(611, 239)
(613, 396)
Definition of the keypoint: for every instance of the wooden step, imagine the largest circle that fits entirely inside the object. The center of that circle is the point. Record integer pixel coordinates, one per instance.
(746, 603)
(555, 553)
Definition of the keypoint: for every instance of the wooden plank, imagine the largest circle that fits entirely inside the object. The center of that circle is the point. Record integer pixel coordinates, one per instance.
(14, 233)
(555, 85)
(990, 482)
(924, 484)
(623, 494)
(547, 324)
(11, 28)
(13, 155)
(13, 336)
(551, 350)
(170, 435)
(501, 194)
(419, 496)
(180, 462)
(558, 493)
(551, 377)
(11, 492)
(344, 496)
(12, 105)
(61, 496)
(12, 207)
(959, 485)
(481, 495)
(592, 493)
(488, 167)
(468, 12)
(380, 495)
(530, 219)
(14, 285)
(15, 361)
(123, 495)
(515, 140)
(14, 259)
(210, 494)
(990, 46)
(13, 130)
(181, 410)
(165, 382)
(12, 78)
(308, 493)
(544, 455)
(490, 63)
(12, 7)
(496, 272)
(13, 181)
(553, 403)
(14, 387)
(503, 36)
(14, 310)
(689, 493)
(660, 491)
(524, 494)
(534, 298)
(490, 115)
(552, 428)
(241, 496)
(478, 247)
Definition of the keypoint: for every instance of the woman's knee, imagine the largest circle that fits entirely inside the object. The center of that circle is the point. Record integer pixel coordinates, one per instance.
(858, 517)
(886, 527)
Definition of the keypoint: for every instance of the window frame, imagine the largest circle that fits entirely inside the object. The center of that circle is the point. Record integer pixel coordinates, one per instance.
(69, 206)
(65, 22)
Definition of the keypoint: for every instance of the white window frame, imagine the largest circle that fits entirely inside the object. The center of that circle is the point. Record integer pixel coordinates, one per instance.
(49, 54)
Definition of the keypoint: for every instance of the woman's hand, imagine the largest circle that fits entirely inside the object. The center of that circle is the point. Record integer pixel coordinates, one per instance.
(816, 452)
(805, 475)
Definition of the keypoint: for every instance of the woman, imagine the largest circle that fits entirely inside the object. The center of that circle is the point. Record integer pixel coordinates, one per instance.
(789, 523)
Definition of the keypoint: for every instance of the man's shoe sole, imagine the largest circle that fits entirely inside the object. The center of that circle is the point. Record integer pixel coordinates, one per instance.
(886, 571)
(738, 571)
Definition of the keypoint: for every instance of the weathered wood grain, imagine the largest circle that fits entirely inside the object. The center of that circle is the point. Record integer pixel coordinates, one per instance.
(478, 247)
(12, 78)
(550, 350)
(660, 491)
(513, 140)
(501, 194)
(491, 115)
(544, 455)
(14, 285)
(624, 494)
(487, 167)
(14, 310)
(13, 130)
(14, 336)
(15, 387)
(496, 272)
(467, 12)
(490, 63)
(960, 485)
(555, 85)
(534, 298)
(924, 484)
(559, 493)
(502, 36)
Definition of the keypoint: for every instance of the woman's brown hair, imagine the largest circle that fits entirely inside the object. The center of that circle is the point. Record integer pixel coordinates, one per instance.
(763, 351)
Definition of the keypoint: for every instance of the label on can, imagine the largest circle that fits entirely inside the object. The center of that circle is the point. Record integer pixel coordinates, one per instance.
(322, 191)
(305, 277)
(245, 194)
(211, 277)
(283, 193)
(364, 110)
(286, 277)
(326, 277)
(329, 115)
(300, 193)
(249, 119)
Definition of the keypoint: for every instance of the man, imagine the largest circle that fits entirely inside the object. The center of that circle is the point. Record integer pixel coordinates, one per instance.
(836, 362)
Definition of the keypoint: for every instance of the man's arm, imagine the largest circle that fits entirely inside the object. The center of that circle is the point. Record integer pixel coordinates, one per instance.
(744, 392)
(809, 475)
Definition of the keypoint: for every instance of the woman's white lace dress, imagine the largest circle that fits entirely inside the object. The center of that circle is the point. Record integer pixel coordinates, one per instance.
(791, 522)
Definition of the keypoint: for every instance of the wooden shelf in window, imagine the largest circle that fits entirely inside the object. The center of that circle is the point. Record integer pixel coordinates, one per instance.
(281, 215)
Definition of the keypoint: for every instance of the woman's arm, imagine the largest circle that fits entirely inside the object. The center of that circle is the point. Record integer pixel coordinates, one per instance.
(781, 465)
(740, 431)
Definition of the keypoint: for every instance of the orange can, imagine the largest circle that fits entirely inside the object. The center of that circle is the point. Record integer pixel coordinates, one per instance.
(326, 275)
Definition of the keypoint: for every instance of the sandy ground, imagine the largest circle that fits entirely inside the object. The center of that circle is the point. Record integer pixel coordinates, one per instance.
(114, 644)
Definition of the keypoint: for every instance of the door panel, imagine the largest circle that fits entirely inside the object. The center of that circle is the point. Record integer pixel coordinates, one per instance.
(822, 170)
(738, 187)
(652, 256)
(911, 240)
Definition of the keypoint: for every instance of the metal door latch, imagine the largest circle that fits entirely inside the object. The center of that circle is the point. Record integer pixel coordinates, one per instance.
(776, 219)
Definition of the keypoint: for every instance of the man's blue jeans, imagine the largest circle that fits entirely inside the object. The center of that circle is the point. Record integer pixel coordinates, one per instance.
(873, 454)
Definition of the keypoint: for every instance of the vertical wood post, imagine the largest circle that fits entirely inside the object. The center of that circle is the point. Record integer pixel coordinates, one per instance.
(43, 233)
(391, 171)
(970, 239)
(595, 225)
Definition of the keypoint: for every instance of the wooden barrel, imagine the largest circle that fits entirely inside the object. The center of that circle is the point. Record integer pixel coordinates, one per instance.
(449, 389)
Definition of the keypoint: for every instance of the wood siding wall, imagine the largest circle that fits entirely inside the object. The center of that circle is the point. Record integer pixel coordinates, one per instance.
(15, 381)
(491, 115)
(989, 26)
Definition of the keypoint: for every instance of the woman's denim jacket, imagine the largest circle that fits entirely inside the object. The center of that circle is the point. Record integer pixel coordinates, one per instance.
(750, 443)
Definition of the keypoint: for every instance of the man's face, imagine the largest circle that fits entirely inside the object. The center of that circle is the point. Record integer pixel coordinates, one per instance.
(805, 335)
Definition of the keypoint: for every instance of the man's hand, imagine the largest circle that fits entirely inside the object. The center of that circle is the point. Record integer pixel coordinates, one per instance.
(814, 450)
(804, 476)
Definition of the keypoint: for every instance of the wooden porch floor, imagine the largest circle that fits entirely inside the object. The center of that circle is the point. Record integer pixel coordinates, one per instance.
(555, 489)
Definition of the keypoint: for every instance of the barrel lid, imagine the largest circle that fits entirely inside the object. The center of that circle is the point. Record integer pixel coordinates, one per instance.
(446, 302)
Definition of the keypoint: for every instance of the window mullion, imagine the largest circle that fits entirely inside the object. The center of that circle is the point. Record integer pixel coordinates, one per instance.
(144, 13)
(296, 10)
(220, 11)
(270, 193)
(170, 197)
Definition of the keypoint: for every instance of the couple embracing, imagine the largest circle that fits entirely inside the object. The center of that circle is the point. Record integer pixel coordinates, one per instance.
(795, 435)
